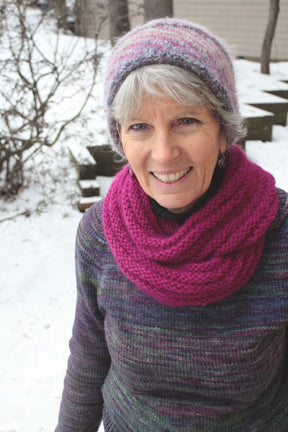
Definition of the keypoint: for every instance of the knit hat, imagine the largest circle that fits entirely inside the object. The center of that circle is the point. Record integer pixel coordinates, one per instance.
(174, 42)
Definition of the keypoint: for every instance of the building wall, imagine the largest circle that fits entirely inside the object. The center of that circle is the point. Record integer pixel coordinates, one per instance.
(241, 23)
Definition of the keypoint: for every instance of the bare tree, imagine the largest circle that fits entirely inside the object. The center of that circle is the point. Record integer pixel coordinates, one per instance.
(61, 12)
(90, 17)
(61, 8)
(119, 22)
(157, 9)
(34, 83)
(269, 35)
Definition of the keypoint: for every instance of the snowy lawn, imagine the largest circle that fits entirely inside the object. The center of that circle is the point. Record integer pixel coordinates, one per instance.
(37, 275)
(38, 298)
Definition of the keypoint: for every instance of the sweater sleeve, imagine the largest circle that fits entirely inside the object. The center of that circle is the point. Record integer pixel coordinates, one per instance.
(89, 361)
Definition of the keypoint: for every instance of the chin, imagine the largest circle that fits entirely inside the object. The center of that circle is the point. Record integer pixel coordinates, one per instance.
(179, 208)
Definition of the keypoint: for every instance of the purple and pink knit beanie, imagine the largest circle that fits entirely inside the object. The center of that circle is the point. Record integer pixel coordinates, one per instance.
(175, 42)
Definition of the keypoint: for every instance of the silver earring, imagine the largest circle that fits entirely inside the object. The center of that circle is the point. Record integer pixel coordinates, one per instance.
(221, 161)
(130, 171)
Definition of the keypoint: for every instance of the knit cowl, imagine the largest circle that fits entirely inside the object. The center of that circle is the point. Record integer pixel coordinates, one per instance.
(207, 258)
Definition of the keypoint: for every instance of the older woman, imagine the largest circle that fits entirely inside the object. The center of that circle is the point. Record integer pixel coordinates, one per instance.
(182, 270)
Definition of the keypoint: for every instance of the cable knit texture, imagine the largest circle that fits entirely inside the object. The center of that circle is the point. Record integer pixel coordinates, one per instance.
(175, 42)
(211, 255)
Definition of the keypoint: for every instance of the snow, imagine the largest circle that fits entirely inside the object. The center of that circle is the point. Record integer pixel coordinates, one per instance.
(37, 282)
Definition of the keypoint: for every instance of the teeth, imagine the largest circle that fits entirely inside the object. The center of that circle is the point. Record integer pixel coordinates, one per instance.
(170, 178)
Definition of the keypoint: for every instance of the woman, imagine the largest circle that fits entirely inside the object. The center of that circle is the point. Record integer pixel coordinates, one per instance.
(182, 270)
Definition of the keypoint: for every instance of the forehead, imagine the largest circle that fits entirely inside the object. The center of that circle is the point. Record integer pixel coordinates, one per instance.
(167, 108)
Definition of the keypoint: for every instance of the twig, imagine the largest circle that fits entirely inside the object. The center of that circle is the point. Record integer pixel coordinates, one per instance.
(26, 213)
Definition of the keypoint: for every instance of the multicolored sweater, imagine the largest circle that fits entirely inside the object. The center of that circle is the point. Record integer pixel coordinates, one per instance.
(142, 366)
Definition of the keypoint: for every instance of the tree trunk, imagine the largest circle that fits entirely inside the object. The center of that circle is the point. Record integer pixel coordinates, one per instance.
(118, 18)
(61, 13)
(61, 9)
(269, 35)
(157, 9)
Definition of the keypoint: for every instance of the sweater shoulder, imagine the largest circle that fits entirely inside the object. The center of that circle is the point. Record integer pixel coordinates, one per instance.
(92, 221)
(279, 226)
(90, 234)
(274, 260)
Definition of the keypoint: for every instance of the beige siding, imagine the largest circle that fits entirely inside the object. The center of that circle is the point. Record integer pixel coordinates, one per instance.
(241, 23)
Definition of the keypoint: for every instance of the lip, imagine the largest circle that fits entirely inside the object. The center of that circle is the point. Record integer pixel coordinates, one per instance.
(171, 177)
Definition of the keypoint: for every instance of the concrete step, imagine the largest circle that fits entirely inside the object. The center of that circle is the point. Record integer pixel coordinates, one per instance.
(85, 163)
(86, 202)
(89, 187)
(259, 122)
(268, 102)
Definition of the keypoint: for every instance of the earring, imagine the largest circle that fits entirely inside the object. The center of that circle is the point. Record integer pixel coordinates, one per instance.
(221, 161)
(130, 171)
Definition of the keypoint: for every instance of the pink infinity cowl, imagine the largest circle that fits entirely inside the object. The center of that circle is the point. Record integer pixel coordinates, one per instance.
(211, 255)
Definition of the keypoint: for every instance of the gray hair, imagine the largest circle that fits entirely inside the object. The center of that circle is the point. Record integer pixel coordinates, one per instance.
(169, 81)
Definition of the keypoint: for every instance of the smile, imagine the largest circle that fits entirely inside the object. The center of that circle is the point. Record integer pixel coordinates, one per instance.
(171, 178)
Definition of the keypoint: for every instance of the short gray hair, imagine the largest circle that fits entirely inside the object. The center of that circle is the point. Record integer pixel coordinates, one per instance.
(169, 81)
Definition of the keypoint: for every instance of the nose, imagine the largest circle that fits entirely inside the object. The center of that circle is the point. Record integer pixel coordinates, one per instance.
(165, 148)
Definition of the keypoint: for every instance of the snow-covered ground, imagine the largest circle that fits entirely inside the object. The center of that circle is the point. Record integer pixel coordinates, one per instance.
(37, 274)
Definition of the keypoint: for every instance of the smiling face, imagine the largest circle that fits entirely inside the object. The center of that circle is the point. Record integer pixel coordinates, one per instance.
(173, 150)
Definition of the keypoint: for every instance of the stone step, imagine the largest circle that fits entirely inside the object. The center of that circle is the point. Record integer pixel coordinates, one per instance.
(259, 122)
(268, 102)
(89, 187)
(263, 91)
(85, 163)
(269, 84)
(86, 202)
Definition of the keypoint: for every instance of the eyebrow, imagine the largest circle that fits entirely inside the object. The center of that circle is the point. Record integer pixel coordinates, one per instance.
(182, 113)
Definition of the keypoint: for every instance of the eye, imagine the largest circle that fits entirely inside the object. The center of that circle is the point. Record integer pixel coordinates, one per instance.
(138, 127)
(188, 121)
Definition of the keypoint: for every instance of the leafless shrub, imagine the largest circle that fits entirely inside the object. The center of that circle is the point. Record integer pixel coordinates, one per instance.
(44, 87)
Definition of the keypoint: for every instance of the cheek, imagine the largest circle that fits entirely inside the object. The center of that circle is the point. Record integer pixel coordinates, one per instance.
(206, 155)
(128, 148)
(134, 150)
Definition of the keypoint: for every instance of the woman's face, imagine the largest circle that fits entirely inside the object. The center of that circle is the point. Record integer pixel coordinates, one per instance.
(173, 151)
